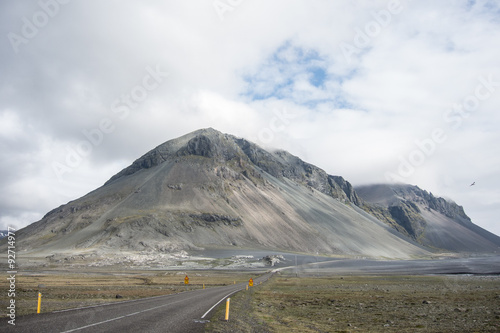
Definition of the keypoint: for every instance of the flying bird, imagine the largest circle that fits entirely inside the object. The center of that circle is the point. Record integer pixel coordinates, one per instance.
(474, 183)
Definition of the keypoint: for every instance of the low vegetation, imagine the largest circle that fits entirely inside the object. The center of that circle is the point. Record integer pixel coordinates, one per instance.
(366, 304)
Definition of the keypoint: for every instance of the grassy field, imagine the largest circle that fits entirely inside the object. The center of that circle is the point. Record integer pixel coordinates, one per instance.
(70, 289)
(366, 304)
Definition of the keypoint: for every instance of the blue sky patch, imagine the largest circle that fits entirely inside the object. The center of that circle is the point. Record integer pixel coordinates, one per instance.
(318, 77)
(285, 74)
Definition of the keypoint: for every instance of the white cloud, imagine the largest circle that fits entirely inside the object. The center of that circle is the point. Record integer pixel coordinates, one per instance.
(356, 119)
(11, 125)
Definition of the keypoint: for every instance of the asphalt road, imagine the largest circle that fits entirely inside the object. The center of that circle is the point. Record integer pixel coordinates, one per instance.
(183, 312)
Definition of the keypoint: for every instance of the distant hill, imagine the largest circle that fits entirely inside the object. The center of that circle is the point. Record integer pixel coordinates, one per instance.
(207, 189)
(3, 233)
(429, 220)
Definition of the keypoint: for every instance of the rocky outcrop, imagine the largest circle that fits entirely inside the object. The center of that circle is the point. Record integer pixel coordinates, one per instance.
(151, 159)
(347, 189)
(407, 215)
(216, 219)
(200, 146)
(445, 207)
(273, 260)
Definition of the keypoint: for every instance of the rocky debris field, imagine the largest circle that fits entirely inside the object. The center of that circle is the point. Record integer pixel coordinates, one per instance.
(150, 260)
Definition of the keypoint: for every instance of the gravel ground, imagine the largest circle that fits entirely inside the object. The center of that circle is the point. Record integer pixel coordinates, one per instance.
(366, 304)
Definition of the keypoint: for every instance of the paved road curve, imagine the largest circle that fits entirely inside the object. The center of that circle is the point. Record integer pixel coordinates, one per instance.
(183, 312)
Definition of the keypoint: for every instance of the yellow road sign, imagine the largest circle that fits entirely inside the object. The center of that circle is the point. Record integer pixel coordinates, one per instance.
(250, 282)
(186, 280)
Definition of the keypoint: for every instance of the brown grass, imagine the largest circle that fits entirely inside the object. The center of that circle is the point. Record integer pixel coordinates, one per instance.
(367, 304)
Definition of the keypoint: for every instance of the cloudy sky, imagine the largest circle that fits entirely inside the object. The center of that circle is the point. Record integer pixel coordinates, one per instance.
(374, 91)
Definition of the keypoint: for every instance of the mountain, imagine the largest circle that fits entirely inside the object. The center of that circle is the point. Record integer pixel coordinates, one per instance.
(429, 220)
(209, 190)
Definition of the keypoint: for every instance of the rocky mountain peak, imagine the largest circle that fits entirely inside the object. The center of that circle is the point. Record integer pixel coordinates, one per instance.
(223, 148)
(206, 142)
(200, 145)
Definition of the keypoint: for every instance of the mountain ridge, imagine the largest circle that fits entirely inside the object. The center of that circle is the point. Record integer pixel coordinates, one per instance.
(418, 214)
(207, 189)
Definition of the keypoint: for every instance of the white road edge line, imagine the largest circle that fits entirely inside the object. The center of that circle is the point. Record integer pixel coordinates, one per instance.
(133, 314)
(223, 298)
(120, 317)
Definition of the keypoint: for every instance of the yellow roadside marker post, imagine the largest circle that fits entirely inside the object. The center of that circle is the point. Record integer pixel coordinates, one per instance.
(39, 302)
(227, 309)
(203, 286)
